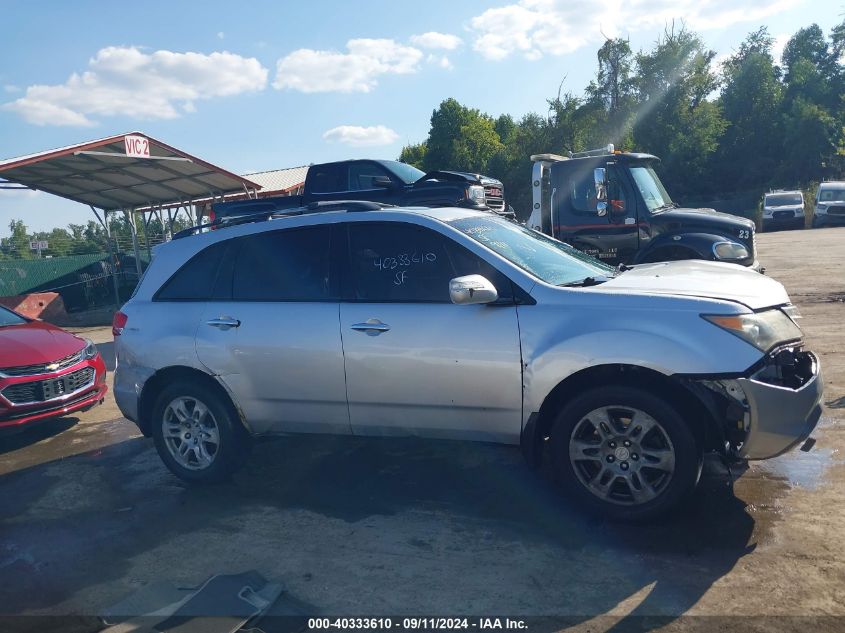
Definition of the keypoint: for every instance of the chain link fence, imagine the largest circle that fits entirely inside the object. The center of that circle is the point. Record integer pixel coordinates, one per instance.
(88, 267)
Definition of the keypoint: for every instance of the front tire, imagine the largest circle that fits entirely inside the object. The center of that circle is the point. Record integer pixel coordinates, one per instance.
(197, 433)
(624, 453)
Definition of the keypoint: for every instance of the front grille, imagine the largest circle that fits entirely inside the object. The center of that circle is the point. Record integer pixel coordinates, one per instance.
(836, 210)
(50, 389)
(43, 368)
(782, 215)
(495, 196)
(45, 408)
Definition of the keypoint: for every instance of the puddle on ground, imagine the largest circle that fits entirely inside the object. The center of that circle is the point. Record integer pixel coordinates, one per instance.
(765, 485)
(60, 438)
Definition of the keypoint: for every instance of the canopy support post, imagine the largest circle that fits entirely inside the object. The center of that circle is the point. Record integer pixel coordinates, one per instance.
(133, 229)
(105, 223)
(147, 219)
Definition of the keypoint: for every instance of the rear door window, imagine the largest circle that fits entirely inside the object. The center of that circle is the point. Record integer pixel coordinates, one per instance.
(289, 265)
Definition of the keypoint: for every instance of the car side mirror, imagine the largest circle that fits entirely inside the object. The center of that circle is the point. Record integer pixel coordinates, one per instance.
(382, 182)
(600, 182)
(472, 289)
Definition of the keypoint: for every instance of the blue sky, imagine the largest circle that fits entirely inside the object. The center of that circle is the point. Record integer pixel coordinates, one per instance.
(264, 85)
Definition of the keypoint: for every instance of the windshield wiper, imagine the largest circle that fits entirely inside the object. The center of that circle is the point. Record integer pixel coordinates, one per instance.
(663, 207)
(583, 283)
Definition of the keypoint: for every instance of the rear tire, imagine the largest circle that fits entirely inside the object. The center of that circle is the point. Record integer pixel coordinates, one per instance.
(624, 453)
(197, 433)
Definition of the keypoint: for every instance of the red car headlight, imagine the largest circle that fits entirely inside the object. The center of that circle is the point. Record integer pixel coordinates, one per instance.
(90, 350)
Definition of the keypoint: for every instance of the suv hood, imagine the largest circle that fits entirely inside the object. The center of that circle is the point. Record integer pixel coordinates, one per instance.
(699, 278)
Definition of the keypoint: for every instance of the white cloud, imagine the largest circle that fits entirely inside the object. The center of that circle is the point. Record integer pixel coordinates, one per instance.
(778, 45)
(535, 28)
(12, 191)
(11, 88)
(433, 39)
(360, 136)
(440, 60)
(128, 82)
(357, 70)
(221, 35)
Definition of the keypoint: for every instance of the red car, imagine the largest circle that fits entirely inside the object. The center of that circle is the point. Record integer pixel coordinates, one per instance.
(45, 372)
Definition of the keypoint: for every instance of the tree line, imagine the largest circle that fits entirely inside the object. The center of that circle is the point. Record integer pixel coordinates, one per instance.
(82, 239)
(726, 132)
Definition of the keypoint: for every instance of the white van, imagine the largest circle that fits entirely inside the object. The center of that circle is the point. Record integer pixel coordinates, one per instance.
(830, 205)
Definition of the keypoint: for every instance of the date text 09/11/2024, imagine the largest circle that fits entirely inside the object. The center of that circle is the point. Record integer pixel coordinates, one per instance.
(421, 623)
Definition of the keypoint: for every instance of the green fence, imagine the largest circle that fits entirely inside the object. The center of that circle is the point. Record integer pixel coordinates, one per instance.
(83, 281)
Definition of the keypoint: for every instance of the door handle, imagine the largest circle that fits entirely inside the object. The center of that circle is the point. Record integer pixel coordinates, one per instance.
(223, 323)
(372, 327)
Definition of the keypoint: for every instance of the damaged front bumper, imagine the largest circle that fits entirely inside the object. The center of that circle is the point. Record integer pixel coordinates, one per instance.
(776, 406)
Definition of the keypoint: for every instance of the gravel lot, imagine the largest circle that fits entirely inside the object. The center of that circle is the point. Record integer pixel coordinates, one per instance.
(89, 515)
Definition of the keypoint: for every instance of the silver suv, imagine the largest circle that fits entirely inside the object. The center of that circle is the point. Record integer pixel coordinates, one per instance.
(450, 323)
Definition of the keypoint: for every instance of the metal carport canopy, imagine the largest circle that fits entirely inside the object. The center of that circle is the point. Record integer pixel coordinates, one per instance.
(123, 172)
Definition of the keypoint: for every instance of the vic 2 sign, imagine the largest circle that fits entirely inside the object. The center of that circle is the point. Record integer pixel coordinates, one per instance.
(137, 146)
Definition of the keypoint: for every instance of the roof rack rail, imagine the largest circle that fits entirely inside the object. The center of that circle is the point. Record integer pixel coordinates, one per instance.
(601, 151)
(313, 207)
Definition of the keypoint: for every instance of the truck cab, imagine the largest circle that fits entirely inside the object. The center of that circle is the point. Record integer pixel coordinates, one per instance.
(613, 206)
(386, 182)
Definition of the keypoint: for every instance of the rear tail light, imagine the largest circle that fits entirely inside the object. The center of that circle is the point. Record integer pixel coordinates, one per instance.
(118, 323)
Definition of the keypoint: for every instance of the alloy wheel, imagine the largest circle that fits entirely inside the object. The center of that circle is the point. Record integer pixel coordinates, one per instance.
(622, 455)
(190, 433)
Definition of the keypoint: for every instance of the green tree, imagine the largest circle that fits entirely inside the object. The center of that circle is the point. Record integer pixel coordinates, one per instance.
(811, 134)
(451, 140)
(749, 153)
(476, 144)
(674, 119)
(17, 245)
(809, 44)
(813, 108)
(611, 95)
(414, 154)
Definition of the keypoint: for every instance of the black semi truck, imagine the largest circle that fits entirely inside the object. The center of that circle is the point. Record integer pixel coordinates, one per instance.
(381, 181)
(612, 205)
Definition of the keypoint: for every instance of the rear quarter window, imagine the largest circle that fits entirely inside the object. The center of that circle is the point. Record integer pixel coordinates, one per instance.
(326, 178)
(194, 281)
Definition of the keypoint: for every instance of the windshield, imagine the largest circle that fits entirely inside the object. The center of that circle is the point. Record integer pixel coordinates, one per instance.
(651, 189)
(7, 317)
(783, 199)
(829, 194)
(547, 259)
(405, 172)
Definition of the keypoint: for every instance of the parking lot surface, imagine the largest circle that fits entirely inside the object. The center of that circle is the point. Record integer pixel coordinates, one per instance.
(89, 515)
